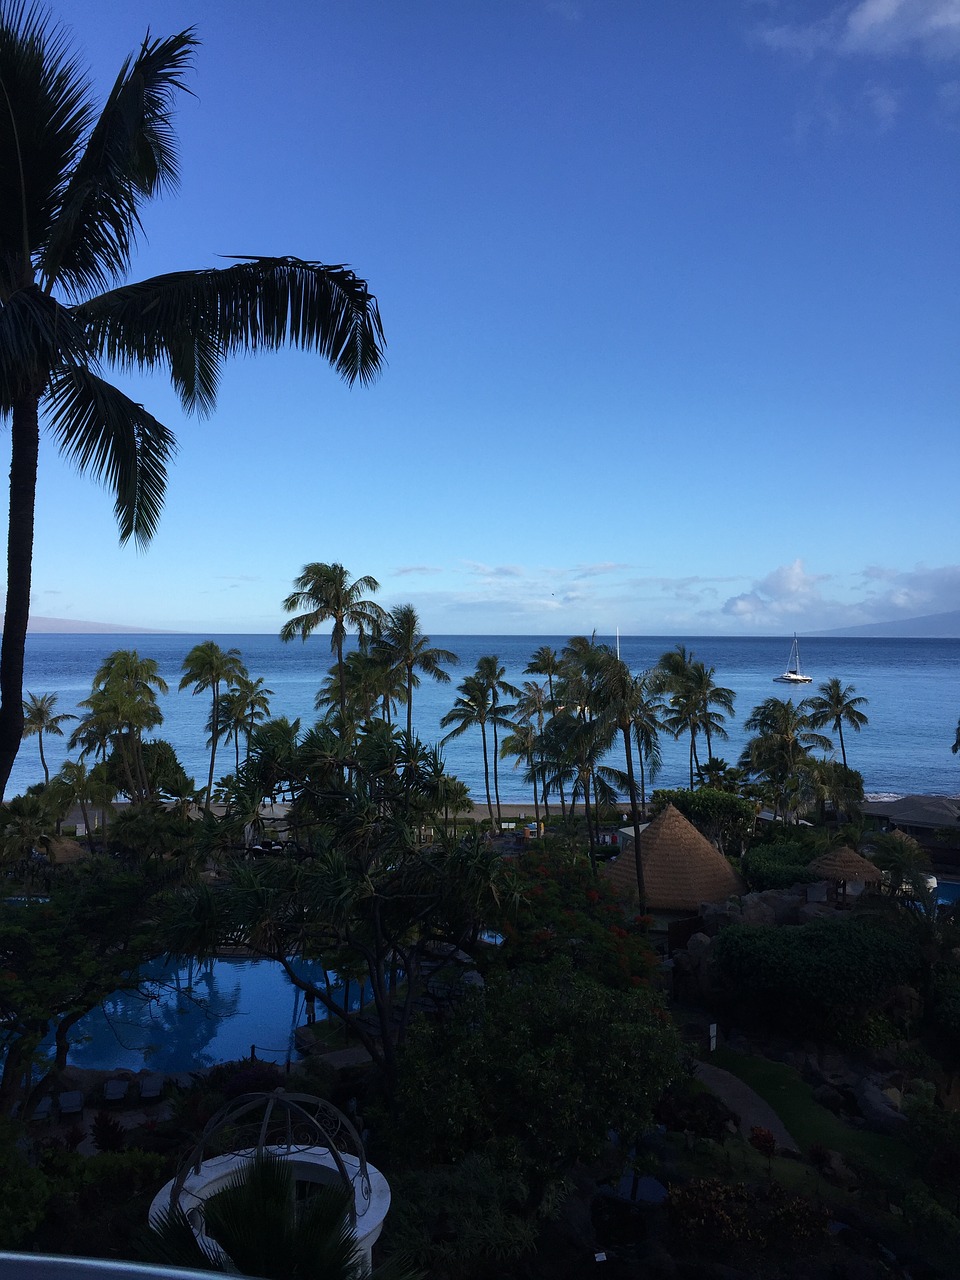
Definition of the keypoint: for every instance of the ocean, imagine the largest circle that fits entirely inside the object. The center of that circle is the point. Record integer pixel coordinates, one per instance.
(911, 686)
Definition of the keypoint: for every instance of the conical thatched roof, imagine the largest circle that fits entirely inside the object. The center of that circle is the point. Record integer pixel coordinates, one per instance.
(681, 868)
(843, 864)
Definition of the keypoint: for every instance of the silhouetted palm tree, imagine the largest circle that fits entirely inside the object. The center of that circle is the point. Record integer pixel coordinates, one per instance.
(75, 183)
(207, 666)
(837, 705)
(325, 593)
(39, 717)
(402, 647)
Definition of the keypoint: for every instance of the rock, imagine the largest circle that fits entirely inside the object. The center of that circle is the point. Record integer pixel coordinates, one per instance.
(813, 911)
(895, 1097)
(835, 1170)
(785, 905)
(755, 911)
(829, 1097)
(877, 1109)
(656, 1262)
(697, 946)
(717, 916)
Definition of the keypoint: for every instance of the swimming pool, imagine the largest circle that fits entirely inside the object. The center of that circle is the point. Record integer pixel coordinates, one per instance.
(194, 1014)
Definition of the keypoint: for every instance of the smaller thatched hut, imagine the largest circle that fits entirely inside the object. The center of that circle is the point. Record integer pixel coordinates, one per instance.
(681, 868)
(845, 866)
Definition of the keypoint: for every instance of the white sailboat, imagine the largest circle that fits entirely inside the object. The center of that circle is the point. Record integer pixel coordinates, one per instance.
(793, 673)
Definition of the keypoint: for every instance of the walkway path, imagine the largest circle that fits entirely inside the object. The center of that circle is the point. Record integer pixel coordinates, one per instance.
(746, 1102)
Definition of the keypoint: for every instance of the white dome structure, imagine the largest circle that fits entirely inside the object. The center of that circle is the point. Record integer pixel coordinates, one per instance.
(317, 1140)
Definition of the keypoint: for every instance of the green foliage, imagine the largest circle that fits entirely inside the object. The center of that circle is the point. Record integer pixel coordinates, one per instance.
(944, 1012)
(816, 977)
(687, 1107)
(543, 1064)
(777, 865)
(717, 1215)
(720, 816)
(562, 909)
(25, 1192)
(108, 1133)
(460, 1220)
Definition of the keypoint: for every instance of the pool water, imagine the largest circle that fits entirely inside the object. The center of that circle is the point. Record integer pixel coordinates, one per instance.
(192, 1015)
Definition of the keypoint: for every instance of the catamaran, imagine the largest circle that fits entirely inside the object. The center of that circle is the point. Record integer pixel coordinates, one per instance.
(793, 674)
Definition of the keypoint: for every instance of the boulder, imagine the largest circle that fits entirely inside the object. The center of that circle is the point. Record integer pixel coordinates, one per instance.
(717, 915)
(784, 904)
(829, 1097)
(697, 947)
(813, 911)
(877, 1109)
(894, 1096)
(753, 910)
(835, 1170)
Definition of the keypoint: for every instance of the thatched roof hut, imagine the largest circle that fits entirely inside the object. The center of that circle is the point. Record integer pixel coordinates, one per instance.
(844, 864)
(681, 868)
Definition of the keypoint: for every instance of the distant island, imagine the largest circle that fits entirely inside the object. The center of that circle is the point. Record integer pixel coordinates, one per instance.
(40, 626)
(932, 626)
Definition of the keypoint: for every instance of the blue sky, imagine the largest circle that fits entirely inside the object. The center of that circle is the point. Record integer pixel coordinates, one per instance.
(670, 295)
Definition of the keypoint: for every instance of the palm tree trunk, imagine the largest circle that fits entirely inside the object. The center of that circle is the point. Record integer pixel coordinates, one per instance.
(586, 809)
(486, 772)
(843, 749)
(496, 771)
(213, 745)
(46, 771)
(410, 702)
(25, 450)
(635, 815)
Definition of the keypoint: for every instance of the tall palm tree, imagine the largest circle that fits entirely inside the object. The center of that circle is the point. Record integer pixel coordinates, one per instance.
(546, 662)
(472, 709)
(620, 696)
(646, 733)
(122, 707)
(491, 673)
(402, 647)
(781, 747)
(39, 718)
(837, 705)
(207, 666)
(244, 705)
(76, 181)
(325, 594)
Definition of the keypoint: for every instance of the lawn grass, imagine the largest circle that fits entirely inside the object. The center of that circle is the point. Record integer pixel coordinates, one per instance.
(888, 1159)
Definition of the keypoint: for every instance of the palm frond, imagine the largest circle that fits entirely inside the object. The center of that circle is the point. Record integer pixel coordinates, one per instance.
(46, 112)
(123, 446)
(36, 332)
(189, 321)
(130, 155)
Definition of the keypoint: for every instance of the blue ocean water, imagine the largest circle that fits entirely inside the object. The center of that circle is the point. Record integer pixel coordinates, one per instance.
(912, 688)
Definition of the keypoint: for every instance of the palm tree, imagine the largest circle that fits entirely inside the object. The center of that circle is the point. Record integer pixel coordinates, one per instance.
(244, 705)
(402, 647)
(490, 672)
(326, 594)
(620, 696)
(207, 666)
(782, 745)
(646, 733)
(696, 703)
(472, 709)
(123, 706)
(76, 180)
(837, 705)
(546, 662)
(39, 718)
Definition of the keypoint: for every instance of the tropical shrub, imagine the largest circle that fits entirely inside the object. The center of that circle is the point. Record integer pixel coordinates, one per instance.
(460, 1220)
(717, 1215)
(539, 1067)
(777, 865)
(688, 1108)
(815, 978)
(562, 909)
(25, 1192)
(722, 817)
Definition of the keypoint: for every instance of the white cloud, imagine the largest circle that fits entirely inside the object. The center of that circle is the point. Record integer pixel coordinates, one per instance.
(875, 28)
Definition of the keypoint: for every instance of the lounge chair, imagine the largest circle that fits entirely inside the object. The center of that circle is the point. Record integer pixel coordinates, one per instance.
(115, 1089)
(70, 1103)
(151, 1087)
